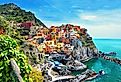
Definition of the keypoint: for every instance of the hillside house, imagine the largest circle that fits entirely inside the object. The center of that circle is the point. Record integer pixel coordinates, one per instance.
(48, 50)
(60, 45)
(76, 28)
(50, 43)
(52, 29)
(40, 35)
(44, 30)
(25, 27)
(41, 47)
(33, 30)
(48, 37)
(1, 30)
(65, 40)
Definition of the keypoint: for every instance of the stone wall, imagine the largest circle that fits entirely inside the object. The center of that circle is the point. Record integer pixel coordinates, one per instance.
(35, 57)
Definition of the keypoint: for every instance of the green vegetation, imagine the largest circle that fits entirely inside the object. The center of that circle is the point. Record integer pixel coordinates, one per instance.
(13, 12)
(9, 30)
(3, 22)
(9, 49)
(10, 43)
(35, 75)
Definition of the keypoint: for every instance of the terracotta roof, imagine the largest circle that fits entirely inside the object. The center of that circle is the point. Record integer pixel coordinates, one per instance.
(26, 25)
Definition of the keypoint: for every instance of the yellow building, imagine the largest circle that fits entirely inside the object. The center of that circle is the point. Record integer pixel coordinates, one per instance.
(45, 31)
(60, 45)
(41, 47)
(53, 29)
(77, 35)
(53, 36)
(50, 43)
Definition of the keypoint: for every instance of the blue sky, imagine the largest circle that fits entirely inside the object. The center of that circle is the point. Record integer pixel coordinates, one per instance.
(102, 18)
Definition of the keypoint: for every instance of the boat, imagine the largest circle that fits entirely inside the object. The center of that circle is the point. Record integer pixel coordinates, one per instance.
(95, 75)
(101, 72)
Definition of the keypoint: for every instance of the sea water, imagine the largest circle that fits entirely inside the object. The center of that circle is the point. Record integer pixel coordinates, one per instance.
(112, 70)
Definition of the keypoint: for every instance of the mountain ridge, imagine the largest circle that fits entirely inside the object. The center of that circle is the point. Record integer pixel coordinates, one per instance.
(11, 11)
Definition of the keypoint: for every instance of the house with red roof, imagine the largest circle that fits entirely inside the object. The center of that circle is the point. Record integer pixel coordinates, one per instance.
(26, 25)
(1, 30)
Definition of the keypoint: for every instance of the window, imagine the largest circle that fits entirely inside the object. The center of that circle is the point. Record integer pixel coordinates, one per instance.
(39, 34)
(33, 53)
(50, 43)
(39, 56)
(27, 52)
(30, 53)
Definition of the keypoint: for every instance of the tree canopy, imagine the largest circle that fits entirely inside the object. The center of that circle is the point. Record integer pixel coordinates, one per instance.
(9, 50)
(3, 22)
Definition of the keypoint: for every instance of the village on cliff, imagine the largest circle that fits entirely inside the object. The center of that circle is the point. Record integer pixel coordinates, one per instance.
(59, 50)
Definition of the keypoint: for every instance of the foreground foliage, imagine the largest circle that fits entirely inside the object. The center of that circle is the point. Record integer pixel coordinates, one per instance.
(3, 22)
(10, 30)
(9, 50)
(35, 75)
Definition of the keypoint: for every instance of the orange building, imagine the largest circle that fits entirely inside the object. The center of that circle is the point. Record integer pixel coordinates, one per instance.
(47, 49)
(43, 30)
(53, 29)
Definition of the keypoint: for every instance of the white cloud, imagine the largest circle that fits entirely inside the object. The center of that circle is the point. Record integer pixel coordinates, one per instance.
(100, 24)
(88, 17)
(102, 16)
(104, 31)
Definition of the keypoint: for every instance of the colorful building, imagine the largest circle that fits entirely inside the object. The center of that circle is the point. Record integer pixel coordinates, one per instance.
(41, 47)
(57, 38)
(1, 30)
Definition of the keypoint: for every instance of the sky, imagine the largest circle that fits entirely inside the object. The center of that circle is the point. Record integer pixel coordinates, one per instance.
(102, 18)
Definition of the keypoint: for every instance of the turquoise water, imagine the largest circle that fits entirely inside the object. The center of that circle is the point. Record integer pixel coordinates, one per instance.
(113, 71)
